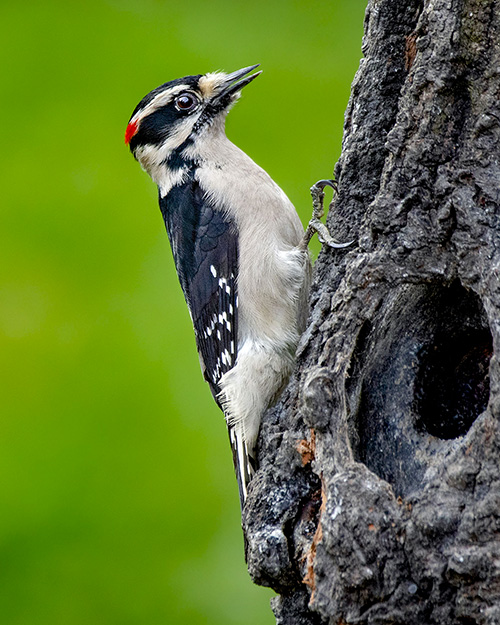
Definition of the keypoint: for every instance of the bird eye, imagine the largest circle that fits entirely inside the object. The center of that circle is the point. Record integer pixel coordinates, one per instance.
(185, 102)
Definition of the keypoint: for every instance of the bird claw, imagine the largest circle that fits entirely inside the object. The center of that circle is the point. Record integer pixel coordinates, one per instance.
(315, 225)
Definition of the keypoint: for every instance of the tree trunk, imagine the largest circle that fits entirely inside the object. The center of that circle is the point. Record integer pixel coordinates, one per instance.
(378, 497)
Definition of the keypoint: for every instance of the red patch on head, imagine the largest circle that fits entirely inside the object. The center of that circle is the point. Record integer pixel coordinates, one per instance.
(130, 132)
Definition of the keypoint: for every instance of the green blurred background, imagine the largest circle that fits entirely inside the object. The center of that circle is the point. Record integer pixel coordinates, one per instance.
(118, 500)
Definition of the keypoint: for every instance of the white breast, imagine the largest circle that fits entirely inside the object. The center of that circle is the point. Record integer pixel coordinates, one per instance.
(271, 268)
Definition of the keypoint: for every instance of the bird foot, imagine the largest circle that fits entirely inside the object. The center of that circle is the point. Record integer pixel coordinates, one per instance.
(315, 224)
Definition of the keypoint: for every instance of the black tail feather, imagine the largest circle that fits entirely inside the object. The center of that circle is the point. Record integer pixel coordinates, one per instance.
(244, 462)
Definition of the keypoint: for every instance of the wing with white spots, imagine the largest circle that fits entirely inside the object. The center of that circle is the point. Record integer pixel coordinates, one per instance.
(205, 248)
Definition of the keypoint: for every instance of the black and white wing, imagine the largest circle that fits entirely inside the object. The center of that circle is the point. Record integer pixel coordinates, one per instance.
(205, 248)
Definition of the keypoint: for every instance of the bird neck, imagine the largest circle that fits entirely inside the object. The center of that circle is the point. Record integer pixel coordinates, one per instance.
(211, 144)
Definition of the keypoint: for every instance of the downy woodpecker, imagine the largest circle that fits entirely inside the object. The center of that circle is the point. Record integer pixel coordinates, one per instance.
(238, 246)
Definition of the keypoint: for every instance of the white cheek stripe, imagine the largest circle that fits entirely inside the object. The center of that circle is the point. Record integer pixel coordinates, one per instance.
(152, 157)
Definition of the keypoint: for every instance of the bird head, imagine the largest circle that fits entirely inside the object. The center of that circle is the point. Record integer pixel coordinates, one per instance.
(173, 114)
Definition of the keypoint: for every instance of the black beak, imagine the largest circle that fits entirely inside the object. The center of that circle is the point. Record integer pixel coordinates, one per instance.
(232, 82)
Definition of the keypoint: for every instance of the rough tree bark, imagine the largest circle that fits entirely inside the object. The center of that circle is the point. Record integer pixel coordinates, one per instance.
(378, 497)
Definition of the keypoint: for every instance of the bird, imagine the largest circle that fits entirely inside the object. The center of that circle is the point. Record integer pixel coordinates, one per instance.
(238, 245)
